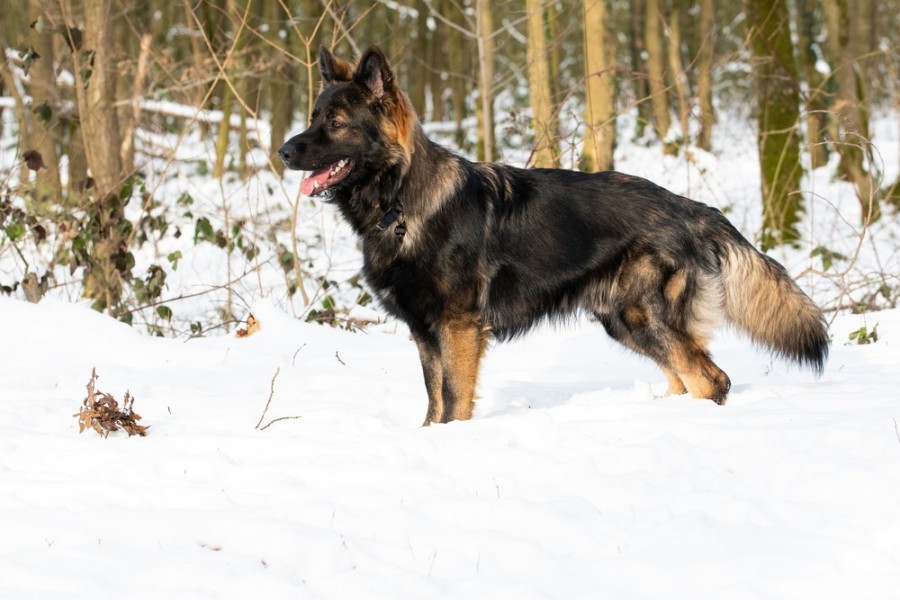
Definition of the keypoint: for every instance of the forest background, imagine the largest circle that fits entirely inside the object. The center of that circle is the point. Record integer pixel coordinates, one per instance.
(110, 106)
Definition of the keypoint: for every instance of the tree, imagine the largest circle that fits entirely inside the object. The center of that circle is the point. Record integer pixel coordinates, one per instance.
(636, 20)
(600, 108)
(543, 154)
(485, 40)
(778, 115)
(706, 32)
(676, 70)
(45, 104)
(656, 60)
(816, 97)
(95, 92)
(852, 128)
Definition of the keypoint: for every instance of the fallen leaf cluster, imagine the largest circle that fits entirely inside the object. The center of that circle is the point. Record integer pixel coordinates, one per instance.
(252, 327)
(100, 412)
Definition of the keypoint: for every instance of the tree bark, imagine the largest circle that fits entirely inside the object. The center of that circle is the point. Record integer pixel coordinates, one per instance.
(656, 72)
(419, 62)
(457, 59)
(704, 73)
(600, 111)
(852, 135)
(778, 115)
(43, 135)
(638, 68)
(816, 100)
(485, 41)
(543, 153)
(676, 70)
(95, 91)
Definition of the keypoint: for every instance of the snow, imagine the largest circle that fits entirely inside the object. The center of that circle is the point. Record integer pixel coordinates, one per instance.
(291, 463)
(572, 481)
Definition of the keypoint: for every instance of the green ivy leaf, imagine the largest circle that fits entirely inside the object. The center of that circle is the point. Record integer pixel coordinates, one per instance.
(14, 231)
(44, 113)
(174, 257)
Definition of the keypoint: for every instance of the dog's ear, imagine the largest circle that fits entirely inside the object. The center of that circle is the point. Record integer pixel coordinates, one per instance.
(333, 69)
(374, 73)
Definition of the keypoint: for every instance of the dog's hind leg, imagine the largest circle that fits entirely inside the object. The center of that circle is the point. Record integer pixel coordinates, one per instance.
(666, 315)
(683, 360)
(702, 377)
(676, 385)
(463, 341)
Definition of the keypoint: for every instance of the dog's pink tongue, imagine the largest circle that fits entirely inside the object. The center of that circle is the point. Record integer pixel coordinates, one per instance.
(313, 182)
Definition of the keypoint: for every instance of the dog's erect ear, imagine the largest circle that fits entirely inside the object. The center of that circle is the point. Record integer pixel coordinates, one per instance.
(334, 70)
(373, 72)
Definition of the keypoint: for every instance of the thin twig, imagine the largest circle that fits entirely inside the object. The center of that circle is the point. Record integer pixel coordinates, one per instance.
(266, 426)
(269, 401)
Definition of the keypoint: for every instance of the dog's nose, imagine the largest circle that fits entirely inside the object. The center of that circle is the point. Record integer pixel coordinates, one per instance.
(285, 153)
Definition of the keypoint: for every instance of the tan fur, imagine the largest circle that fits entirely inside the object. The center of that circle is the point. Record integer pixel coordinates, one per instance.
(762, 300)
(444, 183)
(676, 386)
(701, 376)
(463, 343)
(706, 308)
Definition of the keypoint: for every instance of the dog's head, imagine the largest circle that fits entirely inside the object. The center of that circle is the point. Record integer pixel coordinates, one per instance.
(362, 125)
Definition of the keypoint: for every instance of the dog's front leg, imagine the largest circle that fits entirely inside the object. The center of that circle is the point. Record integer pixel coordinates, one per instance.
(462, 343)
(430, 355)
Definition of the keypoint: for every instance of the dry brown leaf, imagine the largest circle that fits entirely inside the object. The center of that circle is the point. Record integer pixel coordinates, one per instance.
(100, 412)
(252, 327)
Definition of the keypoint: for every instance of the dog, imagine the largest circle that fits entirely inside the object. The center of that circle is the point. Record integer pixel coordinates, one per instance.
(464, 252)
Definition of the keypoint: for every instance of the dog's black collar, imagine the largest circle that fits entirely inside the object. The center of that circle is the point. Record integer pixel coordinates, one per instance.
(395, 214)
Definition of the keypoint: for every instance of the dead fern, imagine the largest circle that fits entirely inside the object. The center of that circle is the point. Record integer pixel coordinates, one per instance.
(100, 412)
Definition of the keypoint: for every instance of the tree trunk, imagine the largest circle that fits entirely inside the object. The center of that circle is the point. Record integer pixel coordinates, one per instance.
(95, 91)
(44, 133)
(485, 41)
(419, 62)
(436, 82)
(457, 59)
(23, 116)
(223, 134)
(778, 115)
(656, 72)
(704, 73)
(816, 101)
(600, 110)
(852, 144)
(553, 36)
(639, 69)
(543, 153)
(676, 70)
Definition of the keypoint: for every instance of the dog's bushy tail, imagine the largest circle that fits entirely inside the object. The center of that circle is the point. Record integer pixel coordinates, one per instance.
(764, 301)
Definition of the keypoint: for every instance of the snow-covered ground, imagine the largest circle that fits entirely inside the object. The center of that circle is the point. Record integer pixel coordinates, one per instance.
(572, 481)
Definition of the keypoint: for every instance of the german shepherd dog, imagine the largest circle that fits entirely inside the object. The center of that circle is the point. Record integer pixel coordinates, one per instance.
(462, 252)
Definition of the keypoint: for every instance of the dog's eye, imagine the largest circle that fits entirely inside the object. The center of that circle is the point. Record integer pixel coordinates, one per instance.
(335, 124)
